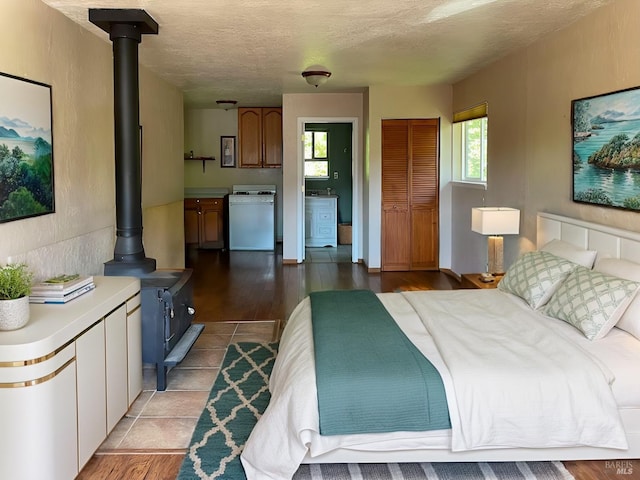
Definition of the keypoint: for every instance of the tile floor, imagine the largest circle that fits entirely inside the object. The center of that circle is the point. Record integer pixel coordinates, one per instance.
(166, 420)
(339, 254)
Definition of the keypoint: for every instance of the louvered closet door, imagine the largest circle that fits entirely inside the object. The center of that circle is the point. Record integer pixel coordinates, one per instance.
(396, 245)
(410, 194)
(423, 141)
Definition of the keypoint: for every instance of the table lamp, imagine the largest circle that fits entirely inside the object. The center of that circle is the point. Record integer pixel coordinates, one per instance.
(495, 222)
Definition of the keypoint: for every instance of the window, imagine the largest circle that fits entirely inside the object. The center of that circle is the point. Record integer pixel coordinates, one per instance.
(474, 150)
(470, 144)
(316, 160)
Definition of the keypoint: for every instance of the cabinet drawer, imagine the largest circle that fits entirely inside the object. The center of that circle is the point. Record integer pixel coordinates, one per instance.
(325, 231)
(326, 217)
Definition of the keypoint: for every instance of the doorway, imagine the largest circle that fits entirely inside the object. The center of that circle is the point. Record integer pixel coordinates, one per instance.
(342, 177)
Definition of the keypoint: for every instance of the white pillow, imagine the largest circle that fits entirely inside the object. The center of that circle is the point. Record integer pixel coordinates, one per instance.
(630, 321)
(591, 301)
(535, 276)
(571, 252)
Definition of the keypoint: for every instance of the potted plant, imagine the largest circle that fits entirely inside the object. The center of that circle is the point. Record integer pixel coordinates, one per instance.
(15, 287)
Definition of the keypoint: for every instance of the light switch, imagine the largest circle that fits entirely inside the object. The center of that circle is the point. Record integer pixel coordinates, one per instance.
(335, 175)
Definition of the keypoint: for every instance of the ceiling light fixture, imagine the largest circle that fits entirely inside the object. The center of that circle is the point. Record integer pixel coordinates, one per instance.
(226, 104)
(316, 77)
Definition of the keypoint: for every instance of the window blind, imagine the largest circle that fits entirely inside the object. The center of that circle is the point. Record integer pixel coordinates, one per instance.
(472, 113)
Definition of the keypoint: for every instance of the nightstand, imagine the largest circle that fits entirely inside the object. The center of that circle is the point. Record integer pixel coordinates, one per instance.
(472, 280)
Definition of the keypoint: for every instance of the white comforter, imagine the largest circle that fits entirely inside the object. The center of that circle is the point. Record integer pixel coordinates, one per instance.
(510, 379)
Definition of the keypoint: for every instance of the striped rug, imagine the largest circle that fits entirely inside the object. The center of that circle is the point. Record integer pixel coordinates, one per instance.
(240, 395)
(435, 471)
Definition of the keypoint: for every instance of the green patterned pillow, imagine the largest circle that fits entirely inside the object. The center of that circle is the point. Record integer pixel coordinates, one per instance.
(535, 276)
(591, 301)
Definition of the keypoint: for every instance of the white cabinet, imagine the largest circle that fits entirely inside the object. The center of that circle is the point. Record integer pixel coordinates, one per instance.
(115, 328)
(134, 346)
(91, 391)
(38, 419)
(67, 378)
(109, 375)
(321, 221)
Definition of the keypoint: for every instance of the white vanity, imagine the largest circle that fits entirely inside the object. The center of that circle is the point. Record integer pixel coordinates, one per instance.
(67, 378)
(321, 221)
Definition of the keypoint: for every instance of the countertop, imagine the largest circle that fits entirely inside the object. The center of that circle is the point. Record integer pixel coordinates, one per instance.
(321, 195)
(205, 192)
(51, 326)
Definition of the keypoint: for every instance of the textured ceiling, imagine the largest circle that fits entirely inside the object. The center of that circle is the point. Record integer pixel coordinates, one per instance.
(253, 51)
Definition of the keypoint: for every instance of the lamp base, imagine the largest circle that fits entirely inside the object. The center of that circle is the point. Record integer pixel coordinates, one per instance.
(495, 255)
(487, 277)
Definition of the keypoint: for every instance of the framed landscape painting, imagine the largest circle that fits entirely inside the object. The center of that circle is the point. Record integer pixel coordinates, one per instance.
(26, 149)
(606, 149)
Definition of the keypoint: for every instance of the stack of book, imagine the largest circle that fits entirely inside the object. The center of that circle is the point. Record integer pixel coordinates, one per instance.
(61, 289)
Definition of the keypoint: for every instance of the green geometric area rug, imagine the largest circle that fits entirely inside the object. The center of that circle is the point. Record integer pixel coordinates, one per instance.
(239, 396)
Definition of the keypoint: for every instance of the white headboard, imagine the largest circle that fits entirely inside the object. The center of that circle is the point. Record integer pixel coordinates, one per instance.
(607, 241)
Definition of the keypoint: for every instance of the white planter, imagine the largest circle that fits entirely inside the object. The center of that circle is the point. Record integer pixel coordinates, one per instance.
(14, 314)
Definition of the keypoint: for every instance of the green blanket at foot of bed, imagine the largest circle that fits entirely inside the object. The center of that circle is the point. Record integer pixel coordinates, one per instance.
(370, 377)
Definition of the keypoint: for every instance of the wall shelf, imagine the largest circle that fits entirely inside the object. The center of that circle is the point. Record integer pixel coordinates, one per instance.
(203, 159)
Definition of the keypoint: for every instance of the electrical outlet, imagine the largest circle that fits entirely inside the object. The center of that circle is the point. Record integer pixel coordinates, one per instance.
(335, 175)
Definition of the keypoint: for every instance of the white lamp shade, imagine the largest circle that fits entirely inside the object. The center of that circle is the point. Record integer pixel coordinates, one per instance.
(495, 220)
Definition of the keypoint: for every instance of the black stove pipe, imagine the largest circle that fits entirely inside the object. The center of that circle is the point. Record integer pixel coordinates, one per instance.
(125, 28)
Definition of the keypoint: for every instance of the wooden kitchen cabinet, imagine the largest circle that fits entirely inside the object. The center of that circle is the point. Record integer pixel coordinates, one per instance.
(191, 221)
(204, 222)
(260, 137)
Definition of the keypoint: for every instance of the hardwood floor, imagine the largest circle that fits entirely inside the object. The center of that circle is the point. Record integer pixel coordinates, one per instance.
(140, 466)
(257, 286)
(247, 285)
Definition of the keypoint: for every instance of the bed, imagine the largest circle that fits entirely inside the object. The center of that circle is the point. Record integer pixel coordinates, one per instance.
(570, 389)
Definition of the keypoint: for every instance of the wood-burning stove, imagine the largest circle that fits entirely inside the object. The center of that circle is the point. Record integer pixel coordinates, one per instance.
(167, 295)
(167, 312)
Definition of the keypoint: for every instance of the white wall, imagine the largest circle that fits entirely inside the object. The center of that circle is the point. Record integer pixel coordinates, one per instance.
(386, 102)
(315, 105)
(530, 140)
(43, 45)
(470, 248)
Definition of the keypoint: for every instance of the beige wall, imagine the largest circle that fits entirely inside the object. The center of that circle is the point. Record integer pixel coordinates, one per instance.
(313, 106)
(529, 95)
(203, 128)
(80, 235)
(407, 102)
(162, 170)
(378, 103)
